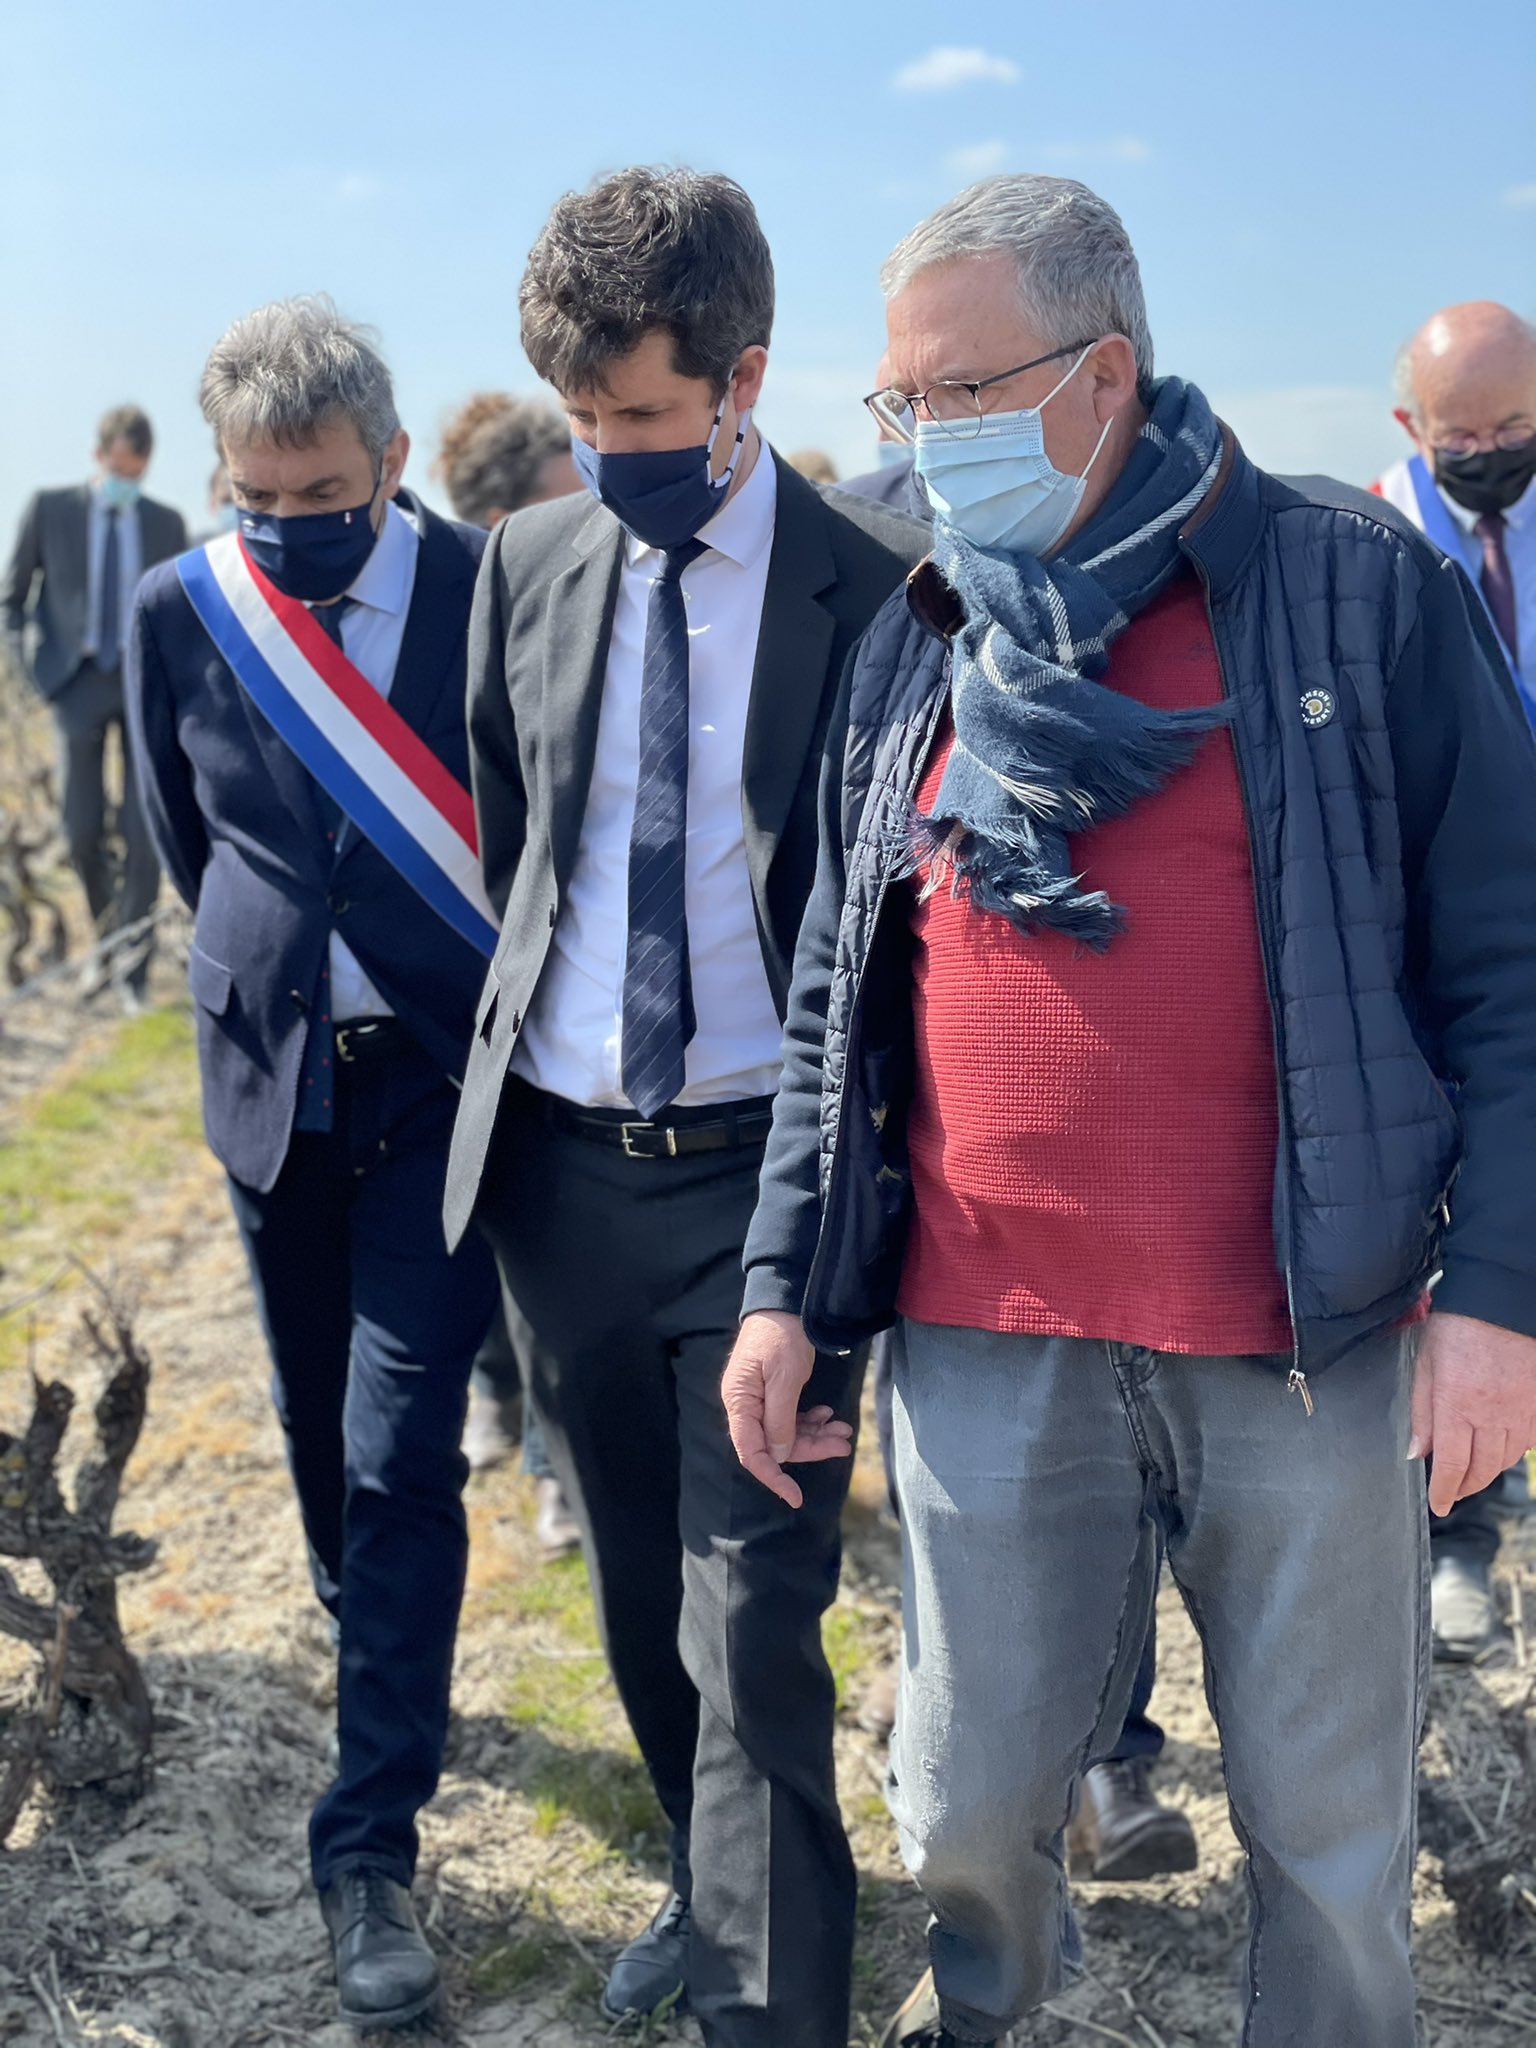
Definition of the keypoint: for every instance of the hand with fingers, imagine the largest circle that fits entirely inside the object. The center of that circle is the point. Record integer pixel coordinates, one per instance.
(764, 1380)
(1474, 1404)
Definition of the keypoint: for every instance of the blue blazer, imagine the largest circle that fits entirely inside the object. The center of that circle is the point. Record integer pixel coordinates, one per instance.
(239, 828)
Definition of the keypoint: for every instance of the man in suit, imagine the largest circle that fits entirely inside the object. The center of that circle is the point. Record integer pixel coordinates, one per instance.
(334, 1002)
(68, 597)
(651, 678)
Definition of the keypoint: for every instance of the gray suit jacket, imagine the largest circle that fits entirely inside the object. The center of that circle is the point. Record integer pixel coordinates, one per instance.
(48, 580)
(538, 652)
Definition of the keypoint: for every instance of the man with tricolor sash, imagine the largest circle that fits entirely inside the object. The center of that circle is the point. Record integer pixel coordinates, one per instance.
(1466, 397)
(296, 696)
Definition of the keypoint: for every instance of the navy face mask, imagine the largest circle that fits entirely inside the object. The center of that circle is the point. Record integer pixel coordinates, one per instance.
(662, 495)
(313, 556)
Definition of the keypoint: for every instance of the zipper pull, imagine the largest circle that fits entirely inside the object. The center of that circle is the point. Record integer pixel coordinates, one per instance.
(1297, 1384)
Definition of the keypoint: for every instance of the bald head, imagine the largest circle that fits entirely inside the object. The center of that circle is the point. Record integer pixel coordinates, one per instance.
(1468, 376)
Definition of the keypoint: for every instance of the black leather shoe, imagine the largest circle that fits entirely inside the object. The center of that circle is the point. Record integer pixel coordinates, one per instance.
(918, 2023)
(651, 1975)
(1121, 1832)
(386, 1975)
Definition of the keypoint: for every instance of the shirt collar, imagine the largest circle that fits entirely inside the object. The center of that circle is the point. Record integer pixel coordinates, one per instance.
(384, 581)
(743, 526)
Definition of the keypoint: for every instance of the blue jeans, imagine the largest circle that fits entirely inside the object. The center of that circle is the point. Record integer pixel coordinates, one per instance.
(372, 1329)
(1140, 1737)
(1037, 1476)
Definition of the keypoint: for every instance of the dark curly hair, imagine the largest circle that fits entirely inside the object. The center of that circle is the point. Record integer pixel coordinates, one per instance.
(646, 250)
(493, 449)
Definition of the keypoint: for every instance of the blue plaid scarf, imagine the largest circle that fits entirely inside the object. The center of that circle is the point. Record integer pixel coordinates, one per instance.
(1041, 749)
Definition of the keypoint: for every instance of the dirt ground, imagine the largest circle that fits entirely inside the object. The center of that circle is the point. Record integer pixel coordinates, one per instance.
(182, 1919)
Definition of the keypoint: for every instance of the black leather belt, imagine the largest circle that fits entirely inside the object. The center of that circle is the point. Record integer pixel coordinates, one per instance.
(713, 1127)
(366, 1038)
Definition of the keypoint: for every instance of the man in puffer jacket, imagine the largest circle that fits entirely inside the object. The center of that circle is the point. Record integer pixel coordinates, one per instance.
(1178, 847)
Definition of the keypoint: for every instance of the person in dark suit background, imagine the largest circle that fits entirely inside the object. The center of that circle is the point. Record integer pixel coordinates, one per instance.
(68, 595)
(333, 1008)
(651, 679)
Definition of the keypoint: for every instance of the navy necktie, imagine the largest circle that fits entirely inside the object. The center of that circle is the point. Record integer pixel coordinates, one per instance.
(658, 1019)
(1498, 583)
(109, 617)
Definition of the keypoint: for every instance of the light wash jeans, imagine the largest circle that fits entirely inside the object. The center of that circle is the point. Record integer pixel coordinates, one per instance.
(1034, 1474)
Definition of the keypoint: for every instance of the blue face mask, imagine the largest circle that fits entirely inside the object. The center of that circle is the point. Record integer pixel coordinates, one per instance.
(121, 493)
(662, 495)
(313, 556)
(997, 487)
(892, 455)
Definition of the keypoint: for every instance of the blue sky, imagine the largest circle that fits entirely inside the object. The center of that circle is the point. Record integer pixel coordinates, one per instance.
(1303, 183)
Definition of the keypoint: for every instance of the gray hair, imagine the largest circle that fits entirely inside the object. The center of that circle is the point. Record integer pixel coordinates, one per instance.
(493, 450)
(292, 368)
(1402, 379)
(1078, 274)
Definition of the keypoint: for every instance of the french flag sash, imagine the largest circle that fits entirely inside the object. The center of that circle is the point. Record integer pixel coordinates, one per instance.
(362, 753)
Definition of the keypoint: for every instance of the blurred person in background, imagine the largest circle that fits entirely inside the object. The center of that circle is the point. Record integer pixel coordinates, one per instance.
(1466, 391)
(815, 464)
(68, 599)
(651, 677)
(498, 454)
(1178, 846)
(296, 697)
(892, 481)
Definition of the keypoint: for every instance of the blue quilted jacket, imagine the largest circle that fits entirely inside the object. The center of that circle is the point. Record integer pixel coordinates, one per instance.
(1390, 783)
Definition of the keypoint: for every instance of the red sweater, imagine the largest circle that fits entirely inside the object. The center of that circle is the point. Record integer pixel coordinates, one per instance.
(1093, 1135)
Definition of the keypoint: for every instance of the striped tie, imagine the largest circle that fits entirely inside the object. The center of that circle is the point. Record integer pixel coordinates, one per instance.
(658, 1019)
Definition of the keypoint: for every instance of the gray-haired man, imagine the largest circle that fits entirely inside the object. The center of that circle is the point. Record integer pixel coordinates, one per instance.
(334, 970)
(1127, 1109)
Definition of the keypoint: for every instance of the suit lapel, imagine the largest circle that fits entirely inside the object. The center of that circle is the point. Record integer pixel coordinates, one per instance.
(578, 624)
(789, 676)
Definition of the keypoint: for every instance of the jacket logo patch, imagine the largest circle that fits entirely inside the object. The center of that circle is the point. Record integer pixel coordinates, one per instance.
(1317, 708)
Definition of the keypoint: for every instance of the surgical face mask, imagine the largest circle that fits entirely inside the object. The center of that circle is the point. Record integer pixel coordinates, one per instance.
(226, 518)
(997, 487)
(662, 495)
(893, 454)
(120, 492)
(1491, 480)
(313, 556)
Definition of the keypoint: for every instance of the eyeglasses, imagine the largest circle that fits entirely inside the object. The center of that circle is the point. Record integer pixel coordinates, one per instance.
(955, 407)
(1504, 439)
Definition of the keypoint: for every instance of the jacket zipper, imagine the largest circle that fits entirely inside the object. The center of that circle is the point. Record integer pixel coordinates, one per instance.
(1296, 1382)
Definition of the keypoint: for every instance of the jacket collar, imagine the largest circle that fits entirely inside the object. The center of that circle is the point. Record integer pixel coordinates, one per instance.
(1219, 536)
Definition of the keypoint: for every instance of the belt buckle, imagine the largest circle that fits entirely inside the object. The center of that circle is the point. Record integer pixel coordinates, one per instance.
(627, 1138)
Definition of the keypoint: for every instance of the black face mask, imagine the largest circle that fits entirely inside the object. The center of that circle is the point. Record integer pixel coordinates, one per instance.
(1489, 481)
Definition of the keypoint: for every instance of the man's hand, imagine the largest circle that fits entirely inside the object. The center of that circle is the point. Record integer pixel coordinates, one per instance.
(763, 1383)
(1474, 1404)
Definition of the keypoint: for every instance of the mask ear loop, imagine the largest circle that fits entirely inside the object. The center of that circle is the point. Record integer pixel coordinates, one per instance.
(744, 421)
(1098, 445)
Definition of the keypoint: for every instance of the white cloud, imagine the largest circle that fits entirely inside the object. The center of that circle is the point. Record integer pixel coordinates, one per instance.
(948, 66)
(1341, 430)
(1520, 195)
(976, 160)
(356, 187)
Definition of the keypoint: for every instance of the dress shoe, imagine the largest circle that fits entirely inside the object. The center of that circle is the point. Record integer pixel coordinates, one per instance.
(1121, 1833)
(1461, 1609)
(877, 1709)
(385, 1973)
(917, 2024)
(651, 1975)
(554, 1525)
(490, 1430)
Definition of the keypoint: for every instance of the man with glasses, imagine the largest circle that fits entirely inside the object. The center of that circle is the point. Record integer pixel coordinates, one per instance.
(1466, 391)
(1177, 847)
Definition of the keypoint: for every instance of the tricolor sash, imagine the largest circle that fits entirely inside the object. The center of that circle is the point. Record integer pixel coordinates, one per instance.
(360, 751)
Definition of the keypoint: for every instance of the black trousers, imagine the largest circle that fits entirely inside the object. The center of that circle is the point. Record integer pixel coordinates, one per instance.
(84, 711)
(372, 1329)
(622, 1281)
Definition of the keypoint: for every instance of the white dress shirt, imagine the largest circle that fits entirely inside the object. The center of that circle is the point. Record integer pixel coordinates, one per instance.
(572, 1042)
(130, 567)
(371, 633)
